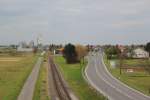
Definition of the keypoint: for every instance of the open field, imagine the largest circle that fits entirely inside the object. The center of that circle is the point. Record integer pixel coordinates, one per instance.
(137, 80)
(13, 73)
(40, 92)
(73, 75)
(136, 62)
(10, 59)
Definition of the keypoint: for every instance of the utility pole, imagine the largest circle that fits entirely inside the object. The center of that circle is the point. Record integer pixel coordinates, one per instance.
(120, 55)
(121, 62)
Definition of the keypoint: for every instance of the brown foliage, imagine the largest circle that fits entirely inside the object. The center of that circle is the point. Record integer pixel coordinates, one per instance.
(81, 51)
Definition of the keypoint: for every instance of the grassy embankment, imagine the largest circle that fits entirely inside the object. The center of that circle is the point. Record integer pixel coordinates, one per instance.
(41, 92)
(73, 75)
(14, 70)
(137, 80)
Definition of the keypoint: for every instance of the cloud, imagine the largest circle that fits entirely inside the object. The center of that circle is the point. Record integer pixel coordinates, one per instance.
(97, 21)
(125, 24)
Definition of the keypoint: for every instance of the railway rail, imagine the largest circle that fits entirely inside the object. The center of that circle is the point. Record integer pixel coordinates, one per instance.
(59, 85)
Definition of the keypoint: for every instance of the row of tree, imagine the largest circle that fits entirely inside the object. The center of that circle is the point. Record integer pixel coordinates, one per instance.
(74, 53)
(112, 51)
(147, 48)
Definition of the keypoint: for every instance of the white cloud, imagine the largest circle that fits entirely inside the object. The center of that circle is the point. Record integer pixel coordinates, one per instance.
(60, 18)
(125, 24)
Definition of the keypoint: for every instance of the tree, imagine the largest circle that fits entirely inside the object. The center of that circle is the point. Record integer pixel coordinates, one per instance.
(35, 49)
(70, 53)
(147, 48)
(111, 52)
(81, 52)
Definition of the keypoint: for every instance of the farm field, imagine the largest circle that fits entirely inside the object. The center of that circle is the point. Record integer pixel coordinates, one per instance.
(14, 70)
(136, 62)
(73, 75)
(139, 80)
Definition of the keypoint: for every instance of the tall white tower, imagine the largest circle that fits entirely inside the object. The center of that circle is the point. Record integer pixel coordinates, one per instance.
(39, 39)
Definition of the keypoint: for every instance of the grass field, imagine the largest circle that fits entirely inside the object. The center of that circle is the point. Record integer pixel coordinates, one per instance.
(137, 80)
(40, 92)
(13, 73)
(73, 75)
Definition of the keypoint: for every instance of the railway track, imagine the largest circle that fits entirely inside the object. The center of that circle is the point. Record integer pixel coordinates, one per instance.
(60, 88)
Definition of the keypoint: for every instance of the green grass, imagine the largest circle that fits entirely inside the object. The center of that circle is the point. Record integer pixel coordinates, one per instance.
(73, 75)
(136, 62)
(13, 76)
(40, 92)
(137, 80)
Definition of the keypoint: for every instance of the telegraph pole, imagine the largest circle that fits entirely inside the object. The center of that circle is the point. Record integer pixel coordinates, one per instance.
(121, 61)
(120, 54)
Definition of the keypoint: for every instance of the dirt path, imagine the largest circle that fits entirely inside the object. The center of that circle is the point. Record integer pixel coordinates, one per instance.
(28, 88)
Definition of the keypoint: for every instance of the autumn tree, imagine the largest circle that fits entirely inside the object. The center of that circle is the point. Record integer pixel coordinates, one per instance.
(81, 51)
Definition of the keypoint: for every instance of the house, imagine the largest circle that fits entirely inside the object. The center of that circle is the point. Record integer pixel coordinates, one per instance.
(121, 48)
(140, 53)
(59, 51)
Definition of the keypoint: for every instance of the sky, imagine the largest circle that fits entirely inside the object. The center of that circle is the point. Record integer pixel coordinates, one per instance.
(75, 21)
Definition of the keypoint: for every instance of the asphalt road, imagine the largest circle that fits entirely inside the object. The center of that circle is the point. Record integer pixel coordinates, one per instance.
(99, 77)
(28, 88)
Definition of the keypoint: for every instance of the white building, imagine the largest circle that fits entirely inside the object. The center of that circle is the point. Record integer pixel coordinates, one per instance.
(23, 47)
(19, 49)
(140, 53)
(31, 44)
(39, 42)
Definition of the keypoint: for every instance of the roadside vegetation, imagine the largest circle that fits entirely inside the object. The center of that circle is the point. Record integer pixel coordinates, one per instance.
(40, 92)
(14, 70)
(147, 48)
(138, 78)
(70, 54)
(73, 75)
(74, 53)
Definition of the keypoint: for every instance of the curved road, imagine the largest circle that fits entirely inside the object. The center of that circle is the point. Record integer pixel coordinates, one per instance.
(99, 77)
